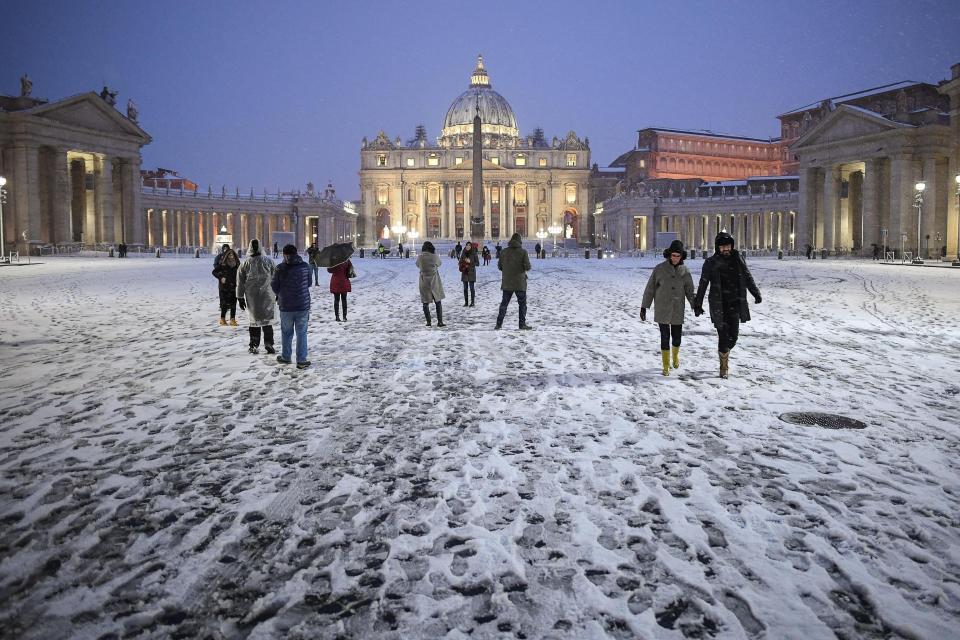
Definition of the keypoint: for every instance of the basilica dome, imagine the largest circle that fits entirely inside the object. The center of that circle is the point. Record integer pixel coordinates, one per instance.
(498, 124)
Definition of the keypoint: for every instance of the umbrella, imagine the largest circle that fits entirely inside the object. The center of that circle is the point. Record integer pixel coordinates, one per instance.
(335, 254)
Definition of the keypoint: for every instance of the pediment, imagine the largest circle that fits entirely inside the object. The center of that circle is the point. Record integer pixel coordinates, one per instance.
(89, 111)
(846, 123)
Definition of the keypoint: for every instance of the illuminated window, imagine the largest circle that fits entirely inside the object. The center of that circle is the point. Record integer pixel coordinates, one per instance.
(433, 194)
(571, 159)
(458, 195)
(543, 162)
(520, 194)
(571, 191)
(642, 163)
(409, 162)
(382, 194)
(495, 195)
(458, 160)
(495, 160)
(521, 161)
(381, 159)
(433, 160)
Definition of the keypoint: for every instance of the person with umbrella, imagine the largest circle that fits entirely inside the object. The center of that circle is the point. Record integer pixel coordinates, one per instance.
(340, 275)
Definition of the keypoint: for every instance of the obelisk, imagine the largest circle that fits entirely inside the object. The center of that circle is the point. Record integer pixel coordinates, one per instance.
(476, 192)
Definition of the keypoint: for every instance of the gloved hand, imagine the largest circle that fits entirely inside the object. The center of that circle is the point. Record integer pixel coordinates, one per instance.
(757, 299)
(242, 303)
(643, 314)
(698, 312)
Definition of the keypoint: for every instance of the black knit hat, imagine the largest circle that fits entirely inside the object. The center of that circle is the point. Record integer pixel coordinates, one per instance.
(675, 247)
(428, 247)
(722, 238)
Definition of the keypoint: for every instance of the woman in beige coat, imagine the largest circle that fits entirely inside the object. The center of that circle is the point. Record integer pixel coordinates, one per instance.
(431, 289)
(669, 284)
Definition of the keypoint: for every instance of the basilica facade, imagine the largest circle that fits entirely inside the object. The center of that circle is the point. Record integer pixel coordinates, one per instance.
(529, 183)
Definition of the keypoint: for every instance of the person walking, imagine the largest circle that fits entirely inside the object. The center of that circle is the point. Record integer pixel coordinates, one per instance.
(486, 255)
(256, 297)
(399, 249)
(537, 248)
(876, 251)
(431, 288)
(291, 284)
(514, 262)
(458, 249)
(276, 250)
(340, 286)
(468, 274)
(669, 284)
(729, 279)
(498, 249)
(313, 254)
(225, 271)
(217, 258)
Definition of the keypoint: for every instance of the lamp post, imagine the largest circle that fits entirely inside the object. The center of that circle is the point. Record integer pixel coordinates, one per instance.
(3, 197)
(400, 230)
(414, 234)
(918, 203)
(554, 230)
(792, 248)
(541, 235)
(956, 263)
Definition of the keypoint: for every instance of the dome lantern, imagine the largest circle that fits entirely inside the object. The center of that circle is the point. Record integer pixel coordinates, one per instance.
(497, 120)
(479, 78)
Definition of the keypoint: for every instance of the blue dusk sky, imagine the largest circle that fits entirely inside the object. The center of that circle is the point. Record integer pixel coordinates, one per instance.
(275, 94)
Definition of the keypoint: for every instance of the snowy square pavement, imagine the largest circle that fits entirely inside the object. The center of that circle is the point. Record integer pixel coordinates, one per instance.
(156, 480)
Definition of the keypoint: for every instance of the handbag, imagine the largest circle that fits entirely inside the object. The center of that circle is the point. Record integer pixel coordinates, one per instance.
(351, 273)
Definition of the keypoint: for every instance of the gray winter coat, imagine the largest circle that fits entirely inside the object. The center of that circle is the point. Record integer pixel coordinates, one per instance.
(431, 288)
(253, 283)
(666, 289)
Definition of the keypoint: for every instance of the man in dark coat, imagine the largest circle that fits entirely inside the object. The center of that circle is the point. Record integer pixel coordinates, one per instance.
(514, 262)
(537, 249)
(291, 283)
(458, 249)
(312, 254)
(729, 279)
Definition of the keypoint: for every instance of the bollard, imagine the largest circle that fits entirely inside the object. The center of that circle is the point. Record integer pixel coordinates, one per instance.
(599, 254)
(406, 253)
(361, 252)
(693, 253)
(586, 254)
(779, 255)
(823, 254)
(158, 253)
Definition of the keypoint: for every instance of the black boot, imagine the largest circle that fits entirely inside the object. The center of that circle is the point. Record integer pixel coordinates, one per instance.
(426, 313)
(440, 315)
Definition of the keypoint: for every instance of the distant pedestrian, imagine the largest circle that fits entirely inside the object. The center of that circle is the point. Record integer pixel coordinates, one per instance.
(291, 284)
(340, 286)
(468, 273)
(313, 254)
(431, 288)
(225, 271)
(381, 250)
(486, 255)
(498, 249)
(458, 249)
(514, 263)
(669, 284)
(538, 250)
(256, 297)
(276, 250)
(399, 249)
(729, 280)
(809, 251)
(876, 251)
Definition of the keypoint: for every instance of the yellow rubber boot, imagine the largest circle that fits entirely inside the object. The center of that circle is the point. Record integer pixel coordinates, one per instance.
(666, 362)
(676, 357)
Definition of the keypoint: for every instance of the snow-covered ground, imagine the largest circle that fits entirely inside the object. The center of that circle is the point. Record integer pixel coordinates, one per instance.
(156, 480)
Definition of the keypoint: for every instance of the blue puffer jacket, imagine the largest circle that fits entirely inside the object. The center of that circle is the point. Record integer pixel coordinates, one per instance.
(291, 283)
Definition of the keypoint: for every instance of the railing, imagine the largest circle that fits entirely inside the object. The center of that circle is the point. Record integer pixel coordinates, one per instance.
(291, 196)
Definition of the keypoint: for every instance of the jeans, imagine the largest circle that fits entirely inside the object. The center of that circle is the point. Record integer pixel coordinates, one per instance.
(728, 330)
(290, 322)
(521, 302)
(469, 287)
(316, 275)
(668, 331)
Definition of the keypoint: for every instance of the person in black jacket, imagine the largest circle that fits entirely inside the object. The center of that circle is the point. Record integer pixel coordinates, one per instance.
(291, 283)
(729, 279)
(225, 271)
(313, 253)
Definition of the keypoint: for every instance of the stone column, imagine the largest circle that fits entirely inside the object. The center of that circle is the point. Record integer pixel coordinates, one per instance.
(807, 218)
(870, 204)
(104, 187)
(903, 175)
(62, 196)
(831, 207)
(931, 209)
(138, 219)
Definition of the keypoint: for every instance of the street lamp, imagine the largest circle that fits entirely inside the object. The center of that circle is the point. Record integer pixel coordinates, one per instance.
(956, 263)
(554, 230)
(414, 234)
(918, 203)
(792, 248)
(400, 230)
(3, 197)
(541, 235)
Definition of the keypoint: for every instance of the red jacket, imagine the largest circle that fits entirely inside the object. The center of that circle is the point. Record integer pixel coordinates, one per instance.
(339, 282)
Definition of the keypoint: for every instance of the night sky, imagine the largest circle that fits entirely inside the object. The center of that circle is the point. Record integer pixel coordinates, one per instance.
(268, 94)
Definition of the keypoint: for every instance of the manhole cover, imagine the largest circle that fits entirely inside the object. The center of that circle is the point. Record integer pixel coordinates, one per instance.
(825, 420)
